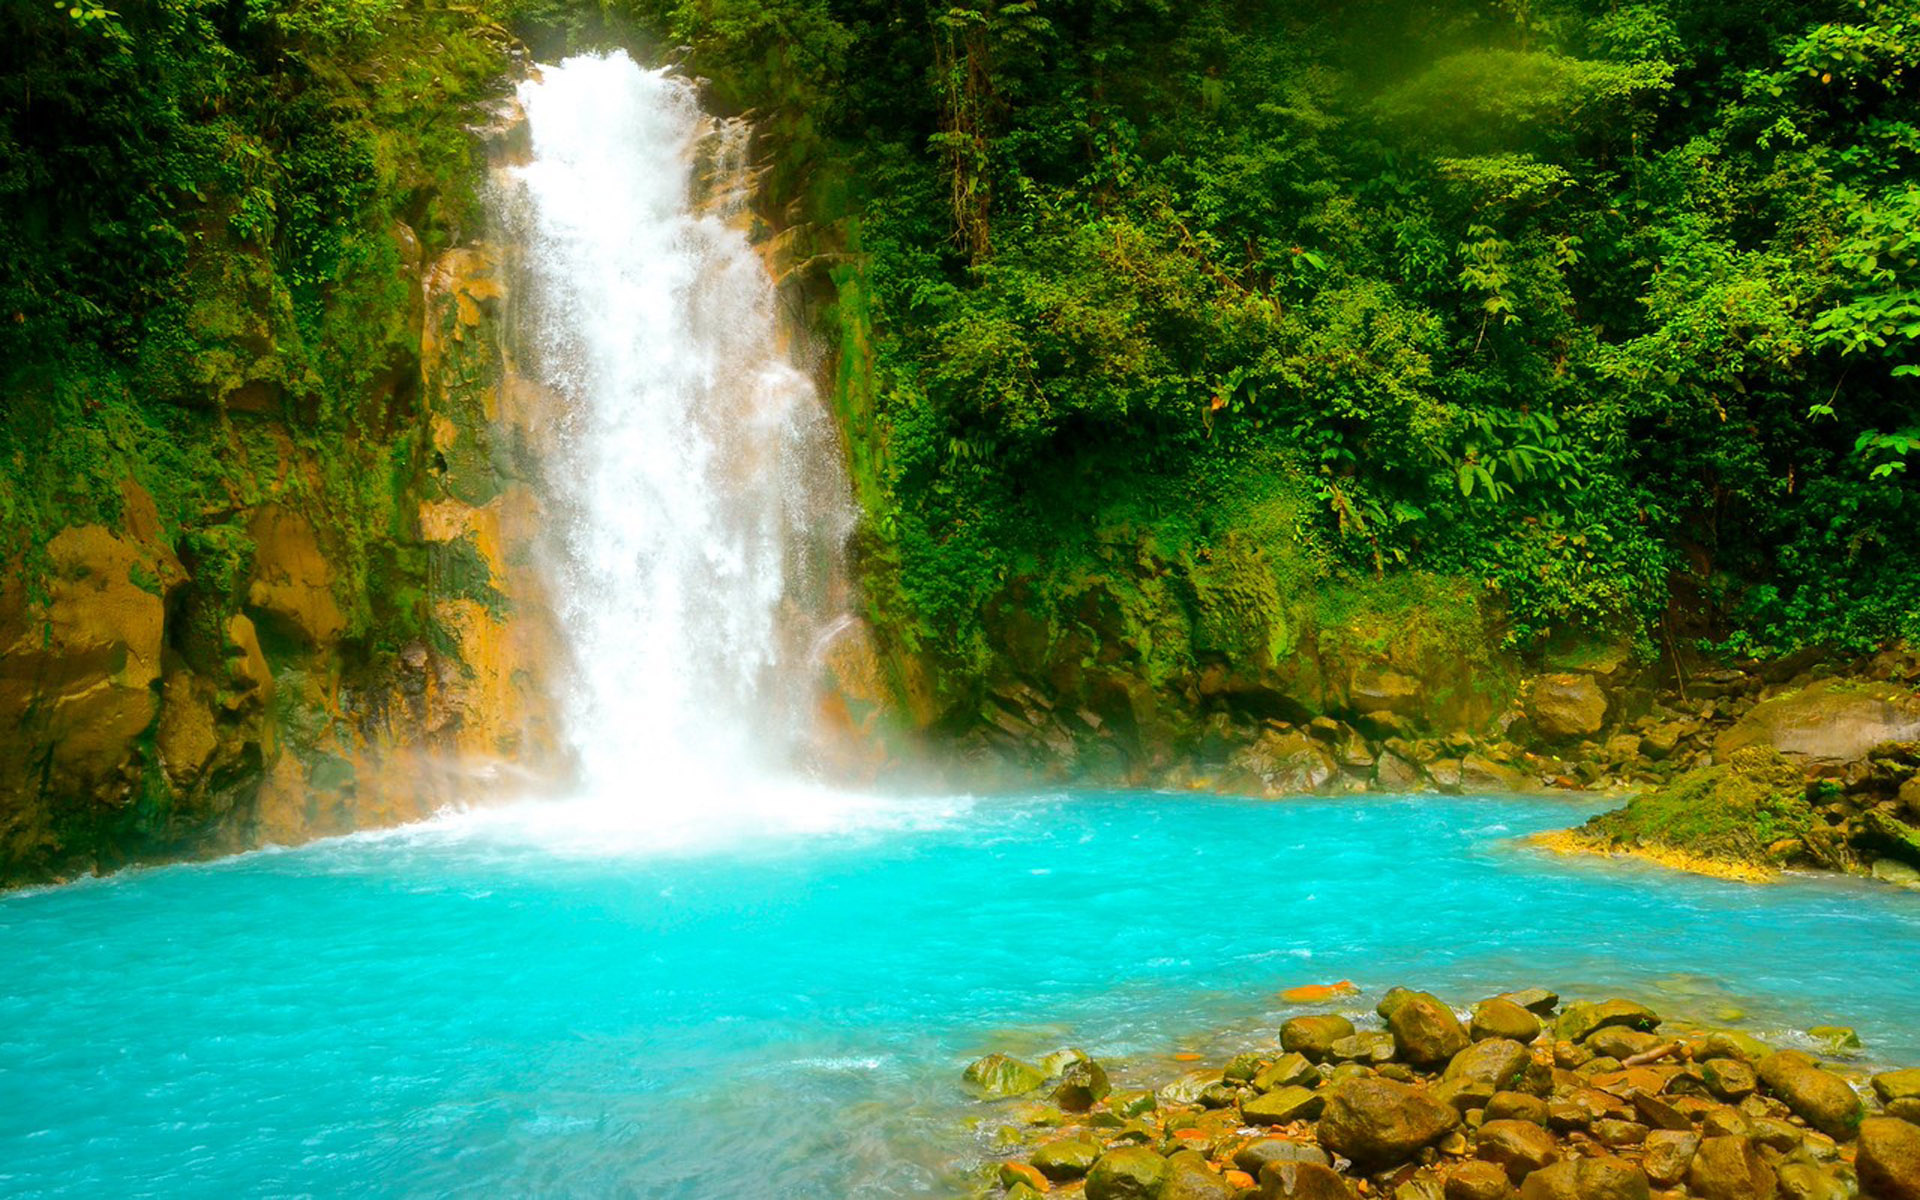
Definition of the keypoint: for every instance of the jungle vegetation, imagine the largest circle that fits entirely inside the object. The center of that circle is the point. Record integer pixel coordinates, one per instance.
(1607, 311)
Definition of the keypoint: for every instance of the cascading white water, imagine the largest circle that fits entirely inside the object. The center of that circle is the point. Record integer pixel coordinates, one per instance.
(695, 481)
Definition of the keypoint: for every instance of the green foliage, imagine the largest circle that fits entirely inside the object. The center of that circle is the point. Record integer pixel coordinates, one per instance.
(1538, 296)
(1594, 309)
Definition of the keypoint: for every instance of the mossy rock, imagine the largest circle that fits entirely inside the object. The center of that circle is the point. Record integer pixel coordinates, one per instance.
(998, 1075)
(1733, 812)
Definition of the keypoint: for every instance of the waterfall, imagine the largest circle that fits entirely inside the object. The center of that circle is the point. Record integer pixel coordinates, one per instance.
(696, 493)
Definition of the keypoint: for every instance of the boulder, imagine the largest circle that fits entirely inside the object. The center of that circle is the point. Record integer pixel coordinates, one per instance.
(1897, 1085)
(1285, 1071)
(1425, 1031)
(1288, 763)
(1889, 1159)
(1302, 1181)
(1188, 1179)
(1496, 1064)
(1656, 1112)
(1728, 1079)
(1617, 1041)
(1516, 1106)
(1730, 1168)
(1068, 1158)
(1392, 773)
(1658, 742)
(1241, 1068)
(1831, 719)
(1809, 1181)
(1083, 1084)
(1478, 1181)
(1614, 1132)
(1897, 873)
(1480, 775)
(1820, 1098)
(1377, 1122)
(1567, 705)
(1502, 1018)
(1520, 1147)
(1587, 1179)
(1367, 1046)
(1258, 1153)
(1129, 1173)
(1669, 1155)
(1283, 1106)
(1731, 1043)
(998, 1075)
(1013, 1174)
(1538, 1001)
(1188, 1088)
(1314, 1036)
(1580, 1020)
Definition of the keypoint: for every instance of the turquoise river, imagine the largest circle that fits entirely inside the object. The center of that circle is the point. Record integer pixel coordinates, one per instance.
(518, 1004)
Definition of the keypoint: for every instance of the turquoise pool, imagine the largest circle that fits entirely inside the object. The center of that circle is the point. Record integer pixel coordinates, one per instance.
(527, 1005)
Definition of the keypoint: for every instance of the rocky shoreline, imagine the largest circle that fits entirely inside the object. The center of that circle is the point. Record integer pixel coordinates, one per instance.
(1525, 1097)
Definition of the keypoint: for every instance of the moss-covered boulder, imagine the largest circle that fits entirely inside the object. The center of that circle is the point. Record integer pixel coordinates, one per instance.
(1067, 1158)
(1313, 1037)
(1751, 810)
(1129, 1173)
(1283, 1106)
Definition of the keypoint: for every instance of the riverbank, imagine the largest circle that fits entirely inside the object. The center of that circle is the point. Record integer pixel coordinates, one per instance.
(1761, 812)
(1524, 1096)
